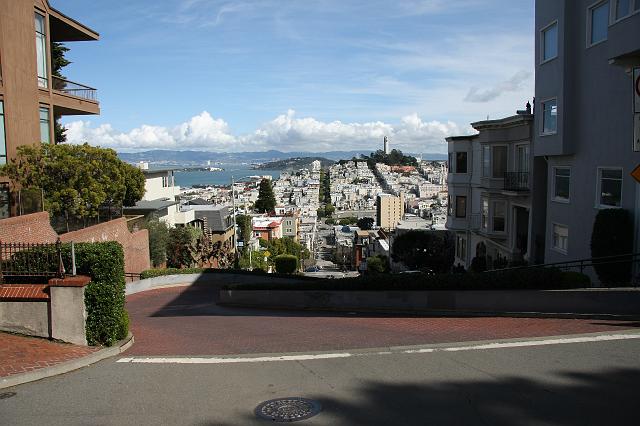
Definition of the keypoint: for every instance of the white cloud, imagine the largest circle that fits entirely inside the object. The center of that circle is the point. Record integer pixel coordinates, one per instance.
(514, 84)
(286, 132)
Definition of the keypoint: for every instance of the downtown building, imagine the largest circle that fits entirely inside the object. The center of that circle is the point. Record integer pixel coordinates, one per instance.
(32, 98)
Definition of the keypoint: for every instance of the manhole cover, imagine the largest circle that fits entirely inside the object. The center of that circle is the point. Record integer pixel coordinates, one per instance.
(7, 395)
(288, 409)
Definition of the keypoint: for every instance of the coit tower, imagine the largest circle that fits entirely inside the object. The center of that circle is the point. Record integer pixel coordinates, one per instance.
(386, 145)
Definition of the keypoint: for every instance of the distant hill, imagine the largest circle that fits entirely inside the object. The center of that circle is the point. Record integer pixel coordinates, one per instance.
(293, 163)
(199, 158)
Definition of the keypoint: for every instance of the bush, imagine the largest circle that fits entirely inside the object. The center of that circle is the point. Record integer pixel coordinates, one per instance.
(158, 239)
(286, 264)
(522, 279)
(123, 329)
(612, 235)
(151, 273)
(377, 264)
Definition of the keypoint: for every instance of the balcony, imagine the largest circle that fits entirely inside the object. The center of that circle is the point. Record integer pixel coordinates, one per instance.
(516, 181)
(72, 98)
(75, 89)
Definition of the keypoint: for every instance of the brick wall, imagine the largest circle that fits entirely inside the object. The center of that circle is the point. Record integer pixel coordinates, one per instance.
(31, 228)
(135, 245)
(35, 228)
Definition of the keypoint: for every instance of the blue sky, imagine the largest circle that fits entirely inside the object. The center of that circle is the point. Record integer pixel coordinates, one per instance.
(244, 75)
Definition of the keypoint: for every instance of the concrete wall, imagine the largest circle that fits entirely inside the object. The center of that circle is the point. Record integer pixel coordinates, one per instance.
(25, 317)
(68, 315)
(580, 302)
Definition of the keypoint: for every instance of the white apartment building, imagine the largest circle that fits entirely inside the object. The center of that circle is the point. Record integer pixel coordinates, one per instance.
(489, 191)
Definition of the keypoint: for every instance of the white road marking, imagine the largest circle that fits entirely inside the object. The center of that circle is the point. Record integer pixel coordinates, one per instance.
(310, 357)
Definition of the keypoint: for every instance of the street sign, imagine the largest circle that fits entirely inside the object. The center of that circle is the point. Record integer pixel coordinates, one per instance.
(636, 173)
(636, 90)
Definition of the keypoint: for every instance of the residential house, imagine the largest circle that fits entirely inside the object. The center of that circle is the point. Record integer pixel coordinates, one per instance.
(32, 98)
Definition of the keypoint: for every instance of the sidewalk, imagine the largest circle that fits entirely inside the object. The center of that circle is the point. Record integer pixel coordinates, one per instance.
(24, 359)
(22, 354)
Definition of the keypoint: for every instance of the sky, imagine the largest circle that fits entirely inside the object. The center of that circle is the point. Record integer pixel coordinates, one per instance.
(298, 75)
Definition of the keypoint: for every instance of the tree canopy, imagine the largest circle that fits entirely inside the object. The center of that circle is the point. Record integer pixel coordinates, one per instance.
(424, 249)
(394, 158)
(365, 223)
(244, 226)
(266, 201)
(77, 180)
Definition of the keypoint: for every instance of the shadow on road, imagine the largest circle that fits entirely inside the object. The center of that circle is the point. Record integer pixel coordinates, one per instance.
(597, 398)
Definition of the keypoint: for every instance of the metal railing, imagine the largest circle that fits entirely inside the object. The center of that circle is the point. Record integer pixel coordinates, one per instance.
(588, 266)
(75, 89)
(516, 181)
(23, 261)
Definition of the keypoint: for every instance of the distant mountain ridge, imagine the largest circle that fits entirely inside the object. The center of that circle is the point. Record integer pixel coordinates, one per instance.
(174, 157)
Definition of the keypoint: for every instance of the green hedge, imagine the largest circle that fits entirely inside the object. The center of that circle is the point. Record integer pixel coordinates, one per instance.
(286, 264)
(152, 273)
(107, 319)
(525, 279)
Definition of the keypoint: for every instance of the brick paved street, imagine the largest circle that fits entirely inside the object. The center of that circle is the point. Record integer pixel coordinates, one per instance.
(186, 321)
(21, 354)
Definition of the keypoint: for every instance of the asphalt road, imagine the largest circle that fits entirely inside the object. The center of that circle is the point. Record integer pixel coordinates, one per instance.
(557, 384)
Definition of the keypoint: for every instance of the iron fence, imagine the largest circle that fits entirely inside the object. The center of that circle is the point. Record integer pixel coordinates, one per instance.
(30, 262)
(75, 89)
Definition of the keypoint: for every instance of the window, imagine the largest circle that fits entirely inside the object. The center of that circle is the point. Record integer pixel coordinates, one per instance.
(549, 116)
(550, 42)
(636, 6)
(450, 205)
(523, 158)
(461, 206)
(4, 200)
(486, 160)
(45, 128)
(3, 139)
(461, 248)
(485, 214)
(560, 237)
(499, 161)
(451, 162)
(41, 51)
(598, 23)
(461, 162)
(499, 216)
(561, 183)
(622, 8)
(609, 187)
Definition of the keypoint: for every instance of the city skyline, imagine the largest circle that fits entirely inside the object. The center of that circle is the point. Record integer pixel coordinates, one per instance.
(251, 76)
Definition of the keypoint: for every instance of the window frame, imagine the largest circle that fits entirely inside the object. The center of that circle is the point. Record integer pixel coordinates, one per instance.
(589, 18)
(466, 161)
(598, 204)
(485, 214)
(461, 247)
(43, 81)
(457, 214)
(543, 31)
(634, 8)
(486, 153)
(554, 196)
(492, 211)
(542, 104)
(41, 109)
(564, 250)
(506, 159)
(4, 132)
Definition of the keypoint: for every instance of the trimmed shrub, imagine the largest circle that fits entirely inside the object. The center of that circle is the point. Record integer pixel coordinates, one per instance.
(612, 235)
(286, 264)
(523, 279)
(151, 273)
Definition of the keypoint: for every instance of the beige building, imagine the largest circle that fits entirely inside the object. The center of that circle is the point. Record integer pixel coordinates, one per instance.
(31, 97)
(389, 210)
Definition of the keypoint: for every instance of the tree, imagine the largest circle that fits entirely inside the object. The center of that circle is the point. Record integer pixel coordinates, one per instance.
(58, 62)
(612, 235)
(266, 201)
(244, 226)
(77, 180)
(329, 209)
(182, 247)
(425, 250)
(158, 239)
(350, 220)
(365, 223)
(377, 264)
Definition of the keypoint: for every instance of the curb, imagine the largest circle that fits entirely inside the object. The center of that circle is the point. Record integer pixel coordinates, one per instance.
(433, 313)
(68, 366)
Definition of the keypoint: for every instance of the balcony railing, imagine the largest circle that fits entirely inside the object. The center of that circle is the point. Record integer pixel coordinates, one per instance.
(75, 89)
(516, 181)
